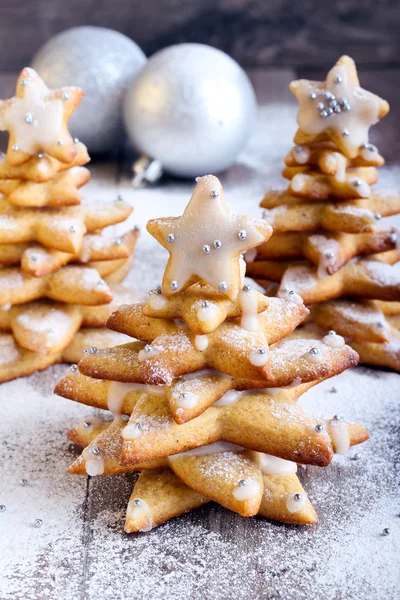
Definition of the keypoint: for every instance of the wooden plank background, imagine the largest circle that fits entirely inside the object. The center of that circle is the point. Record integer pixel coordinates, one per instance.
(256, 32)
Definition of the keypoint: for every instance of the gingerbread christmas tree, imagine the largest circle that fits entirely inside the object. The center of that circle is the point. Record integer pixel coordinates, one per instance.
(60, 276)
(204, 401)
(330, 244)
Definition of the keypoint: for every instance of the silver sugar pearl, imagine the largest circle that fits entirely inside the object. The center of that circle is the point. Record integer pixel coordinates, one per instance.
(60, 142)
(217, 244)
(214, 194)
(319, 428)
(136, 502)
(312, 96)
(314, 351)
(85, 350)
(261, 351)
(170, 238)
(386, 531)
(174, 285)
(329, 110)
(34, 257)
(324, 114)
(24, 482)
(38, 523)
(242, 234)
(3, 508)
(72, 229)
(246, 288)
(29, 118)
(338, 79)
(335, 418)
(65, 96)
(242, 483)
(329, 96)
(320, 106)
(183, 395)
(298, 149)
(331, 332)
(117, 242)
(356, 182)
(96, 450)
(380, 325)
(139, 426)
(148, 348)
(377, 216)
(86, 424)
(345, 133)
(15, 148)
(356, 456)
(329, 255)
(297, 497)
(206, 249)
(223, 286)
(120, 198)
(337, 109)
(40, 155)
(205, 304)
(93, 350)
(24, 82)
(76, 140)
(393, 238)
(333, 103)
(74, 368)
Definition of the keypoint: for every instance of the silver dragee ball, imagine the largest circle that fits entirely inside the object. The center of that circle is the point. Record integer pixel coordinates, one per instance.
(192, 108)
(101, 61)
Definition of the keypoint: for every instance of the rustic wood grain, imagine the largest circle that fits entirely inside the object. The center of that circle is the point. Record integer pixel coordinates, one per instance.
(281, 32)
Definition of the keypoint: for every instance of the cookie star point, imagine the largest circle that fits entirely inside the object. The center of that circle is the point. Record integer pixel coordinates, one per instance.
(37, 118)
(337, 109)
(206, 242)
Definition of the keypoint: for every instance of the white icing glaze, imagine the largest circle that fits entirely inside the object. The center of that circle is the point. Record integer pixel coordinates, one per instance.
(333, 340)
(301, 154)
(146, 354)
(247, 491)
(361, 187)
(118, 390)
(291, 295)
(229, 398)
(131, 431)
(294, 505)
(189, 400)
(217, 448)
(202, 373)
(313, 358)
(272, 465)
(369, 152)
(208, 239)
(157, 301)
(94, 463)
(322, 272)
(298, 182)
(249, 304)
(357, 119)
(340, 436)
(83, 429)
(251, 255)
(201, 342)
(206, 314)
(341, 165)
(258, 359)
(138, 511)
(46, 116)
(5, 307)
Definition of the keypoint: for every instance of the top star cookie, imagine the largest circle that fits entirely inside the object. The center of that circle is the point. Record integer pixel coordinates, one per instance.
(36, 119)
(206, 242)
(337, 109)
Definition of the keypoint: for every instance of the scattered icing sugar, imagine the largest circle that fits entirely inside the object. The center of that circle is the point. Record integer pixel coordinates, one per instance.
(246, 489)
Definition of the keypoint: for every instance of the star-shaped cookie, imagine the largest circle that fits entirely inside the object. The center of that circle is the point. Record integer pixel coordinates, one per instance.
(337, 109)
(206, 242)
(36, 119)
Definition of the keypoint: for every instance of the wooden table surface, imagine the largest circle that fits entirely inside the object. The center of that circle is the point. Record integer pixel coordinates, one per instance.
(81, 552)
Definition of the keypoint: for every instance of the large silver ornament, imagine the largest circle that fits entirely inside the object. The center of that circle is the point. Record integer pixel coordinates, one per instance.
(104, 63)
(192, 108)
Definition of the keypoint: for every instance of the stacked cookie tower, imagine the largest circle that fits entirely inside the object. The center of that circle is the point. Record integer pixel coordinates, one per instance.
(330, 244)
(59, 271)
(204, 404)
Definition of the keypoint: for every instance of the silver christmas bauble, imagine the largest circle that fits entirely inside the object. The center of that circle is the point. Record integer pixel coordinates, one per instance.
(101, 61)
(192, 108)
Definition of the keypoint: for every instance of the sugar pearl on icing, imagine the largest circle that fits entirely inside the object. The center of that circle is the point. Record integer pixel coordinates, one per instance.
(94, 462)
(207, 311)
(132, 431)
(333, 340)
(137, 509)
(157, 301)
(187, 400)
(201, 342)
(313, 355)
(295, 502)
(340, 435)
(298, 182)
(361, 187)
(301, 154)
(246, 489)
(259, 357)
(148, 352)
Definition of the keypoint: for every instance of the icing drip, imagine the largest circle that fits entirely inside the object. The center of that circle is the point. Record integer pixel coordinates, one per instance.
(333, 340)
(291, 295)
(362, 188)
(137, 509)
(148, 352)
(187, 400)
(94, 463)
(313, 355)
(201, 342)
(341, 164)
(207, 312)
(296, 502)
(251, 255)
(369, 152)
(301, 155)
(5, 307)
(248, 301)
(157, 301)
(259, 359)
(298, 182)
(217, 448)
(246, 489)
(229, 398)
(272, 465)
(132, 431)
(118, 390)
(340, 436)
